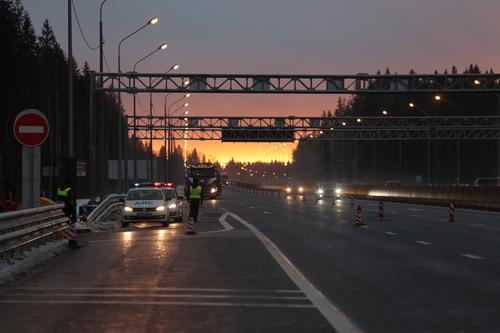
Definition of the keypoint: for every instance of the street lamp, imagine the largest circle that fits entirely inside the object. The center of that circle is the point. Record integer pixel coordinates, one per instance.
(438, 98)
(168, 114)
(161, 47)
(414, 106)
(151, 21)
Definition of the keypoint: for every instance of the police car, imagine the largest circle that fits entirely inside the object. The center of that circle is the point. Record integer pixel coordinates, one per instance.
(157, 203)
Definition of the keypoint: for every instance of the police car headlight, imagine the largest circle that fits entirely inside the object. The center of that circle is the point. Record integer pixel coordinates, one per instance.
(172, 206)
(301, 189)
(288, 189)
(320, 191)
(127, 209)
(213, 190)
(160, 209)
(338, 190)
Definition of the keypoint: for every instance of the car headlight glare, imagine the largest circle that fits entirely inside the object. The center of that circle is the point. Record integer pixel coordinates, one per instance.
(160, 208)
(288, 189)
(338, 191)
(320, 191)
(127, 209)
(172, 206)
(301, 189)
(213, 190)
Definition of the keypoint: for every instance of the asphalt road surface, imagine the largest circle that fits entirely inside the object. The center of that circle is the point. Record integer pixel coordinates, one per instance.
(264, 263)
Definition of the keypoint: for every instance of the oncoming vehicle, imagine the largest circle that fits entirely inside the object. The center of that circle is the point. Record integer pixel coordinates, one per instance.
(327, 190)
(294, 190)
(208, 177)
(150, 204)
(486, 182)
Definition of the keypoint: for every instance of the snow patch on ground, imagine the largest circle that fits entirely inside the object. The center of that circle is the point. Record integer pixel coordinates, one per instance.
(28, 261)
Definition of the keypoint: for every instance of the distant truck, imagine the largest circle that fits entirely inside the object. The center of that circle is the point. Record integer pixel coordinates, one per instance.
(209, 178)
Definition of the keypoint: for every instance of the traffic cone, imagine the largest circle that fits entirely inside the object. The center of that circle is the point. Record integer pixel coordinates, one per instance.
(190, 227)
(352, 201)
(359, 217)
(70, 235)
(381, 210)
(452, 213)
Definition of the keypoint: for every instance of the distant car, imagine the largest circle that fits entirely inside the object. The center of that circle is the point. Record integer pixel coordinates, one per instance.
(327, 190)
(151, 204)
(294, 190)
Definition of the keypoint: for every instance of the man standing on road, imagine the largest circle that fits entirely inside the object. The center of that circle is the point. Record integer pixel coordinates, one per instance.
(66, 194)
(195, 198)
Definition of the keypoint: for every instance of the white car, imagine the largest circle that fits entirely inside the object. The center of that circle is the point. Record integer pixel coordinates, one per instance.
(150, 204)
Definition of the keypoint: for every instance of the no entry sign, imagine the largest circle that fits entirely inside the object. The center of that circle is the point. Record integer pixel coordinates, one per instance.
(31, 128)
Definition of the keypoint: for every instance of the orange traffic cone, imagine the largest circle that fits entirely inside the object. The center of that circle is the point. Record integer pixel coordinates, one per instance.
(359, 217)
(190, 227)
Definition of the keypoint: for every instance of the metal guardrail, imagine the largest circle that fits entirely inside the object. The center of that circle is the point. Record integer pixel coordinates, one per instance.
(21, 230)
(110, 205)
(461, 196)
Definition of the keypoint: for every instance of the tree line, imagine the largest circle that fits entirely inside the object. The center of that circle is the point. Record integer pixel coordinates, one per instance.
(34, 74)
(451, 162)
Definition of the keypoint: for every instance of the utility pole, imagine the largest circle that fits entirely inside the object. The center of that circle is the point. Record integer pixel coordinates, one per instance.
(70, 162)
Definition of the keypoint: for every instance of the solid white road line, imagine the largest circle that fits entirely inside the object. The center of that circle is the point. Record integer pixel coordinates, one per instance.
(155, 295)
(337, 319)
(222, 220)
(423, 243)
(145, 289)
(123, 302)
(390, 233)
(472, 256)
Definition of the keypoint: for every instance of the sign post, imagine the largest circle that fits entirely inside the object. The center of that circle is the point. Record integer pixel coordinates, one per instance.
(31, 129)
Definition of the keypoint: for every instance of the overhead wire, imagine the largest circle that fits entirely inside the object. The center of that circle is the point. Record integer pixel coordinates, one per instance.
(81, 30)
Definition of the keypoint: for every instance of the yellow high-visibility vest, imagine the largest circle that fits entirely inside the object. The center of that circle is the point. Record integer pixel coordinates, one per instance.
(63, 193)
(195, 193)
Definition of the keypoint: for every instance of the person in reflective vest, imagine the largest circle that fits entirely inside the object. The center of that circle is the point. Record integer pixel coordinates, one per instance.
(65, 193)
(195, 199)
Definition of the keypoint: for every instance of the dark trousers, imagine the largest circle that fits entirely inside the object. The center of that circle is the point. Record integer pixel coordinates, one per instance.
(194, 208)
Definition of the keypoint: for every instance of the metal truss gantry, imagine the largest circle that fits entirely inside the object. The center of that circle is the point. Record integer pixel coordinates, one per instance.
(273, 129)
(295, 84)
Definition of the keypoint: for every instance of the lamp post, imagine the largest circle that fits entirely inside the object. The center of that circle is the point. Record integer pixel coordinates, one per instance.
(439, 98)
(161, 47)
(167, 114)
(412, 105)
(151, 21)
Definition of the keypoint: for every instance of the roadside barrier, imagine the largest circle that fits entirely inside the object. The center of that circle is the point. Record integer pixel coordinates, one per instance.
(381, 210)
(452, 213)
(70, 233)
(24, 229)
(190, 227)
(359, 217)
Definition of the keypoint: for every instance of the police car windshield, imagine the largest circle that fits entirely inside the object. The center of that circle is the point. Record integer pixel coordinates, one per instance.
(144, 195)
(169, 194)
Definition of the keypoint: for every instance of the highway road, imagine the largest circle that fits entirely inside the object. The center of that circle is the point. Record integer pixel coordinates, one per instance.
(264, 263)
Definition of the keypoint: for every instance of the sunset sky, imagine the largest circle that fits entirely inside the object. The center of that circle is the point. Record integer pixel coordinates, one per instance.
(279, 37)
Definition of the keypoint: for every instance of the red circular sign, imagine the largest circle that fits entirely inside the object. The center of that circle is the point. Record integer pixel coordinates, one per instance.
(31, 128)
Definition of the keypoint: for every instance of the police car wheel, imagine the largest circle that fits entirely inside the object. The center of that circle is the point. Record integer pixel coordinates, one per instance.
(165, 224)
(124, 224)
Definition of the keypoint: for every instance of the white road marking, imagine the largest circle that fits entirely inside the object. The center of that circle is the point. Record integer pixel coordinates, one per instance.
(216, 290)
(251, 207)
(472, 256)
(337, 319)
(31, 129)
(222, 220)
(122, 302)
(266, 213)
(415, 215)
(325, 217)
(390, 233)
(155, 295)
(442, 219)
(343, 221)
(415, 209)
(364, 226)
(423, 243)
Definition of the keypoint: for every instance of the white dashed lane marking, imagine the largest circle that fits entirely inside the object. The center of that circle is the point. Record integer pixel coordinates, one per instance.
(472, 256)
(423, 243)
(390, 233)
(266, 213)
